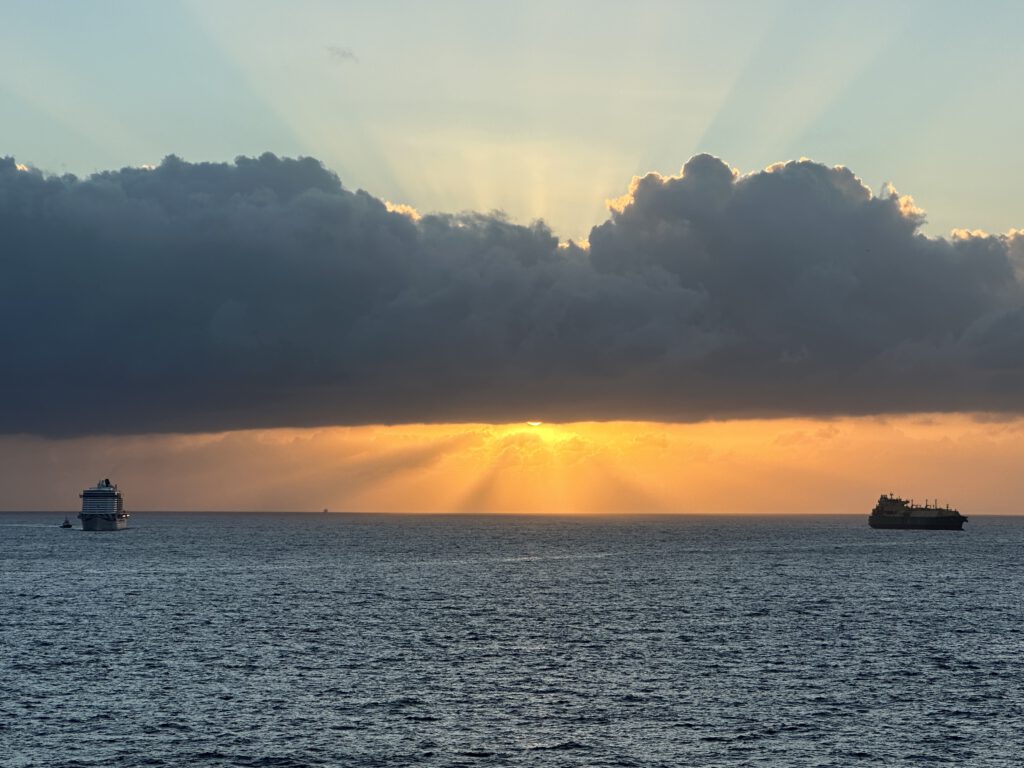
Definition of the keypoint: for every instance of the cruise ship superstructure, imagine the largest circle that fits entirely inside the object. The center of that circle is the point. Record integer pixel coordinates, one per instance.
(103, 508)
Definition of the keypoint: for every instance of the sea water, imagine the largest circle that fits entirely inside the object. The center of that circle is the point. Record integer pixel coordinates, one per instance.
(351, 640)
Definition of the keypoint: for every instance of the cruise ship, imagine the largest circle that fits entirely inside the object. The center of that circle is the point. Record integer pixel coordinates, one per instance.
(894, 512)
(103, 508)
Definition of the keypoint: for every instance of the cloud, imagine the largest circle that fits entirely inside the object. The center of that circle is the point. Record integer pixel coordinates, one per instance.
(210, 296)
(342, 54)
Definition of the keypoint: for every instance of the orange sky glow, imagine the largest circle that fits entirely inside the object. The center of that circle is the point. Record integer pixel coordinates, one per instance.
(743, 466)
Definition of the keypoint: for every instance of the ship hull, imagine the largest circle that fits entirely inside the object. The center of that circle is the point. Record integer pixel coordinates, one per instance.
(944, 523)
(104, 522)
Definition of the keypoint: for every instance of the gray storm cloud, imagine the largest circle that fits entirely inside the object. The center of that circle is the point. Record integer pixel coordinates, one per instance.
(197, 297)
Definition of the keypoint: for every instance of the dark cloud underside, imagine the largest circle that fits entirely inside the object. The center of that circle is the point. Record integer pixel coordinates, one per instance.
(195, 297)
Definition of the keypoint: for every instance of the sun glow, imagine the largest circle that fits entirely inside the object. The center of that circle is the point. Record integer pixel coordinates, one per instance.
(787, 465)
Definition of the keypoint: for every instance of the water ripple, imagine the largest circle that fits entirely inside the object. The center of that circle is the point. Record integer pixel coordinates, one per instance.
(333, 640)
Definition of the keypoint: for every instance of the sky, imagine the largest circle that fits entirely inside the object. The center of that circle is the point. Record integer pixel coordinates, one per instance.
(367, 243)
(544, 110)
(777, 466)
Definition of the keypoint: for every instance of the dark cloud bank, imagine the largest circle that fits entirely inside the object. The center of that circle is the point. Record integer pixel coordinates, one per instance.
(262, 293)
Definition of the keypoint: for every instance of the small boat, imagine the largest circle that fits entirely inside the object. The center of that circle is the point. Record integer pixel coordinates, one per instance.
(66, 523)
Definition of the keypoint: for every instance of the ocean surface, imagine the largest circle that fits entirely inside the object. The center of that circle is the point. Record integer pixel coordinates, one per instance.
(287, 640)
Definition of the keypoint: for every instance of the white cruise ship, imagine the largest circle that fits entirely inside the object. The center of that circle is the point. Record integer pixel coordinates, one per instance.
(103, 508)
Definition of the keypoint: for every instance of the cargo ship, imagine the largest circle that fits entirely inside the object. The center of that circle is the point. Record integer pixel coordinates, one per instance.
(894, 512)
(103, 508)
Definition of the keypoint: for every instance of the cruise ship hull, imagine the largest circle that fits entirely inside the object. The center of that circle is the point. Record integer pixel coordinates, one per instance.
(910, 522)
(106, 522)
